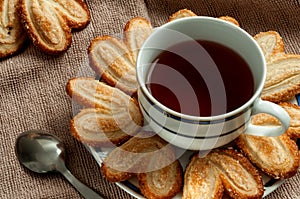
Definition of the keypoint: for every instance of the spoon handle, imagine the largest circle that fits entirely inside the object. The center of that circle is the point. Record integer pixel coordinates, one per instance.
(85, 191)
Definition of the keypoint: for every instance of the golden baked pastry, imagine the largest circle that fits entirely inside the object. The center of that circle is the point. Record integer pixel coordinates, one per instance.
(201, 180)
(283, 78)
(145, 152)
(276, 156)
(111, 59)
(12, 37)
(100, 128)
(188, 13)
(49, 23)
(181, 14)
(230, 19)
(271, 43)
(136, 31)
(113, 117)
(152, 160)
(138, 155)
(114, 175)
(163, 183)
(283, 74)
(222, 170)
(92, 93)
(294, 112)
(114, 59)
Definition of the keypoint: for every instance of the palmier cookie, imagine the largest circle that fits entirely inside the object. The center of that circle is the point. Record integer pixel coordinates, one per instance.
(151, 159)
(162, 183)
(136, 31)
(271, 44)
(12, 37)
(188, 13)
(113, 117)
(283, 76)
(181, 14)
(222, 170)
(92, 93)
(99, 128)
(137, 155)
(230, 19)
(276, 156)
(294, 112)
(114, 59)
(49, 23)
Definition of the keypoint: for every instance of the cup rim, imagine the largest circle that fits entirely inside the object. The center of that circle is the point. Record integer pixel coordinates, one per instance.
(167, 110)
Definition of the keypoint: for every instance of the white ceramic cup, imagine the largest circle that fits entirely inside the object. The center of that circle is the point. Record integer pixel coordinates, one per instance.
(204, 133)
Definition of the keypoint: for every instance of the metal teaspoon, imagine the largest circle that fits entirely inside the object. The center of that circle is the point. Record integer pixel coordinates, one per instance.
(42, 152)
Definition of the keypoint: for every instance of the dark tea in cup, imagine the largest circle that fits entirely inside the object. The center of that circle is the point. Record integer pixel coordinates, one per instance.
(200, 80)
(184, 76)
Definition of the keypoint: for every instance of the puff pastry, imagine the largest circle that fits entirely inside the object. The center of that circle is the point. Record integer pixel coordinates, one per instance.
(111, 59)
(201, 180)
(114, 59)
(145, 152)
(136, 31)
(149, 157)
(283, 70)
(181, 14)
(276, 156)
(294, 112)
(112, 113)
(162, 183)
(12, 37)
(99, 128)
(230, 19)
(271, 43)
(222, 170)
(92, 93)
(283, 78)
(188, 13)
(48, 23)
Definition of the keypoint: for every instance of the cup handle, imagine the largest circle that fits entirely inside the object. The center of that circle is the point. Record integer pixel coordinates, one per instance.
(262, 106)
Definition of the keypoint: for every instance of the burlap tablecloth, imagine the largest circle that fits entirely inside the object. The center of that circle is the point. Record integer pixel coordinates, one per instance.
(32, 87)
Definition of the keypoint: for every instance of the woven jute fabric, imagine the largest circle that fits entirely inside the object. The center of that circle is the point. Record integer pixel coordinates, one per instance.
(32, 86)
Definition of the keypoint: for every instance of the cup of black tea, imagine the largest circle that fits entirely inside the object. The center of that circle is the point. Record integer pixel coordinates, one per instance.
(200, 80)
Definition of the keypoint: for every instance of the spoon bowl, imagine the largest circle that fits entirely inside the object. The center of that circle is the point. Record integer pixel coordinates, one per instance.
(39, 151)
(42, 152)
